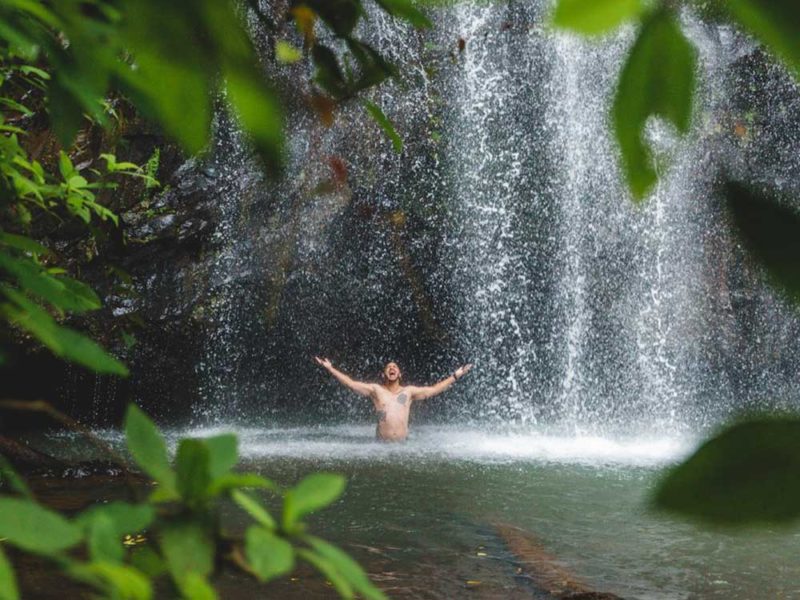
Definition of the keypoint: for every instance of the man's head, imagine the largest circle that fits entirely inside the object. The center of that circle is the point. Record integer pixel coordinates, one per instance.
(391, 372)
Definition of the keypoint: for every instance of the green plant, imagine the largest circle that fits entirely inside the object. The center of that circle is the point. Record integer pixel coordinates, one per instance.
(181, 523)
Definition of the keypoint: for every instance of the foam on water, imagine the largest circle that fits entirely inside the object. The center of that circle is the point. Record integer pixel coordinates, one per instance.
(356, 442)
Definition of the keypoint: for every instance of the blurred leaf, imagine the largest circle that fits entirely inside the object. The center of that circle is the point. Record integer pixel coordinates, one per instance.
(259, 113)
(252, 507)
(312, 493)
(593, 17)
(104, 544)
(191, 466)
(776, 23)
(8, 582)
(286, 53)
(771, 232)
(405, 9)
(347, 567)
(64, 342)
(328, 74)
(223, 454)
(748, 473)
(340, 15)
(239, 480)
(327, 569)
(26, 244)
(385, 124)
(125, 518)
(66, 114)
(195, 587)
(62, 292)
(148, 561)
(127, 582)
(148, 447)
(268, 555)
(187, 548)
(12, 478)
(374, 68)
(657, 80)
(36, 529)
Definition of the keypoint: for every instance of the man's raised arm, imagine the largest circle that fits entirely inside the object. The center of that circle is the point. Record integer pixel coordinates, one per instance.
(359, 387)
(420, 393)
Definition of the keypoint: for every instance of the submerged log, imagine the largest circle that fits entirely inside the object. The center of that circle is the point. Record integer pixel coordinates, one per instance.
(544, 570)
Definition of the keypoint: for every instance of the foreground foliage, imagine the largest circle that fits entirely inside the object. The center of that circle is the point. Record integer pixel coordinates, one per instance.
(180, 522)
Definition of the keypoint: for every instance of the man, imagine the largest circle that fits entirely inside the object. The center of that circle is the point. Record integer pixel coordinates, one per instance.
(391, 399)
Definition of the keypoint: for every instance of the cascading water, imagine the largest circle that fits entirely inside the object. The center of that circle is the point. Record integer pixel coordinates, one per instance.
(504, 235)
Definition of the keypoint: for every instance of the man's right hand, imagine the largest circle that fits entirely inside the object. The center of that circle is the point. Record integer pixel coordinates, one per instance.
(323, 362)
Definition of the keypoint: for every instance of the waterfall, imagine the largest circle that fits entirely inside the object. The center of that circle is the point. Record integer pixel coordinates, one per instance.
(505, 235)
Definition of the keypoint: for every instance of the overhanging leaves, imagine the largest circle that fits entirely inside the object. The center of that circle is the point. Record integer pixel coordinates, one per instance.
(771, 232)
(593, 17)
(657, 81)
(749, 473)
(774, 22)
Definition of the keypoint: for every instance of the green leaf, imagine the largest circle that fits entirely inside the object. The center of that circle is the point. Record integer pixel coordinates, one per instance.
(286, 53)
(312, 493)
(348, 568)
(195, 587)
(239, 480)
(340, 15)
(64, 342)
(36, 529)
(593, 17)
(8, 582)
(771, 232)
(148, 561)
(12, 478)
(325, 567)
(26, 244)
(748, 473)
(252, 507)
(127, 582)
(125, 518)
(187, 547)
(776, 23)
(65, 166)
(191, 466)
(148, 447)
(328, 74)
(258, 111)
(223, 454)
(104, 543)
(657, 80)
(268, 555)
(405, 9)
(385, 124)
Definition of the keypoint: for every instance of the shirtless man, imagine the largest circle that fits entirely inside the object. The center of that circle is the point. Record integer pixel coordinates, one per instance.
(392, 400)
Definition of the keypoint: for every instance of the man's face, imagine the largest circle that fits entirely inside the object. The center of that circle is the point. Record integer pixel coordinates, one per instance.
(391, 372)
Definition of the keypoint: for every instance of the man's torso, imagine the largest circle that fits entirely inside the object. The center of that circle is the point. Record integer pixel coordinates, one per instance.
(392, 409)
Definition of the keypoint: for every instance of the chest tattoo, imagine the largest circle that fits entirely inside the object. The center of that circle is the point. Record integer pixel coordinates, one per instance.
(402, 398)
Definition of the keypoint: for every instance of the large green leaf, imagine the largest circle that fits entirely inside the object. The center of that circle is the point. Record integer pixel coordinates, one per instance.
(191, 466)
(148, 447)
(347, 567)
(312, 493)
(385, 124)
(268, 555)
(8, 582)
(62, 341)
(223, 454)
(36, 529)
(657, 81)
(21, 242)
(127, 583)
(125, 518)
(104, 543)
(774, 22)
(195, 587)
(253, 507)
(187, 547)
(750, 472)
(592, 17)
(771, 232)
